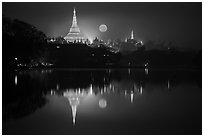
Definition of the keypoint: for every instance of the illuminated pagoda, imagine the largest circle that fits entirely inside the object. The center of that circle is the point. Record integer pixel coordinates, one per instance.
(74, 34)
(131, 39)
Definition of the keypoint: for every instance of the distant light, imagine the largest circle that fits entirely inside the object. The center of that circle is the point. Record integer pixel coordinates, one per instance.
(58, 47)
(102, 103)
(16, 58)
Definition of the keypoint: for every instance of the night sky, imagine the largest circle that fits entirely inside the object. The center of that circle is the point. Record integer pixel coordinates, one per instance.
(180, 23)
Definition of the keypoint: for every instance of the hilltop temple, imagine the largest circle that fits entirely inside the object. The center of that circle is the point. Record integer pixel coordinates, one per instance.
(74, 34)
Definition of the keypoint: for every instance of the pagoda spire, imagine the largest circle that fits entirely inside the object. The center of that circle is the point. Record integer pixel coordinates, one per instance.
(74, 21)
(74, 12)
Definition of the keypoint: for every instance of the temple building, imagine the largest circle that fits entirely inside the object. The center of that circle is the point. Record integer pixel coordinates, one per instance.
(74, 34)
(131, 39)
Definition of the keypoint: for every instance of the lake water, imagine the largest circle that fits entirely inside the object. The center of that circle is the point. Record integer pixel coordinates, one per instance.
(104, 101)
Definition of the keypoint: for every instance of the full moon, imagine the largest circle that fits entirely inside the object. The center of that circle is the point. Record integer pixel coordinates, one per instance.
(103, 28)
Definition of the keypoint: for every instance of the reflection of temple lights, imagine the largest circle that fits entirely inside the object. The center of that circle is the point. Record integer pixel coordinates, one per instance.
(109, 71)
(131, 97)
(102, 103)
(74, 109)
(74, 101)
(141, 90)
(129, 71)
(57, 87)
(146, 71)
(168, 84)
(125, 92)
(16, 80)
(91, 89)
(104, 89)
(110, 86)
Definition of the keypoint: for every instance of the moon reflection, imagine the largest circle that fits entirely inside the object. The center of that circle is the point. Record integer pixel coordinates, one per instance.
(102, 103)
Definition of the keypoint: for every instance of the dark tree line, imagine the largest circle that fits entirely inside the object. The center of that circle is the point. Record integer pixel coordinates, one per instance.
(22, 41)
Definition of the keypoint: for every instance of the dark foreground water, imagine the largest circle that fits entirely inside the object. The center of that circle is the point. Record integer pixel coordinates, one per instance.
(106, 101)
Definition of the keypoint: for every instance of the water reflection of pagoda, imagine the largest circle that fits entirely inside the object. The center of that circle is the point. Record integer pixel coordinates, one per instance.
(74, 101)
(76, 96)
